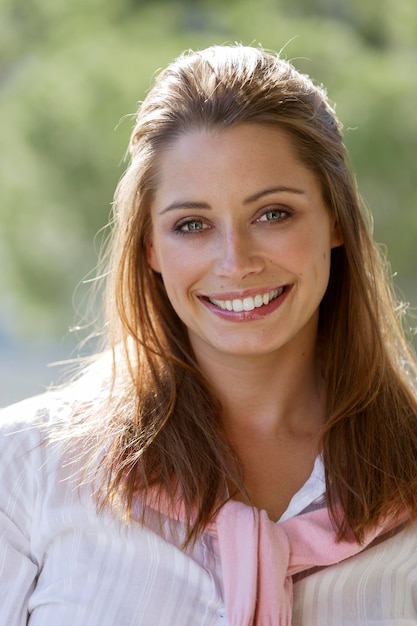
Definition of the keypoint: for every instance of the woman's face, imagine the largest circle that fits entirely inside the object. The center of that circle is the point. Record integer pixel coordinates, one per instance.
(242, 239)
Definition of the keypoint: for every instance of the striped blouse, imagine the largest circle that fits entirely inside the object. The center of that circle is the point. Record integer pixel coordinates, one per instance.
(63, 563)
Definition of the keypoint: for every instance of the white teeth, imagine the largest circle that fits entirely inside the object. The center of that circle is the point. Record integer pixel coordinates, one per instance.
(237, 305)
(249, 303)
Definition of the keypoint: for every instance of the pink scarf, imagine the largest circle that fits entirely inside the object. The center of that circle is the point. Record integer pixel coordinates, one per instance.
(259, 557)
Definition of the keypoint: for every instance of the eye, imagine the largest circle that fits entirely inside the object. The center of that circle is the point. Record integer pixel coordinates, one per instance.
(190, 225)
(274, 215)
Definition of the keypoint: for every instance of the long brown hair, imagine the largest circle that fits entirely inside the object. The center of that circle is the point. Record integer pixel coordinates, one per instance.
(162, 425)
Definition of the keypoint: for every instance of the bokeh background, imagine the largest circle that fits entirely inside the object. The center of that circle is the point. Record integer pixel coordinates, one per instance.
(71, 74)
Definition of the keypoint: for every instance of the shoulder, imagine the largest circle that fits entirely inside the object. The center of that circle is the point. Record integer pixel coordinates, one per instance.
(46, 413)
(40, 457)
(29, 464)
(33, 415)
(25, 429)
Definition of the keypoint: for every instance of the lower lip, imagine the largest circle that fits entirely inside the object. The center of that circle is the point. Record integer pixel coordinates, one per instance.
(248, 316)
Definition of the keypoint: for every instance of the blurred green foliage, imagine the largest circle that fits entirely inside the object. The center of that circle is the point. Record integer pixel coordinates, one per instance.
(71, 74)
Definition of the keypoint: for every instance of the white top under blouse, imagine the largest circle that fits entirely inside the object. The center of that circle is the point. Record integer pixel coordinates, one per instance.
(62, 563)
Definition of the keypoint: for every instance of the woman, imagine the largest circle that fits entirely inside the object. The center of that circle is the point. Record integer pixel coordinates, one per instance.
(256, 373)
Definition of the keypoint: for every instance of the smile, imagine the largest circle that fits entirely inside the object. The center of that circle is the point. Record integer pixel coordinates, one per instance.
(249, 303)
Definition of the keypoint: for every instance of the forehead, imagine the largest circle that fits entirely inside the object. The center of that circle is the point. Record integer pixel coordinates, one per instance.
(244, 155)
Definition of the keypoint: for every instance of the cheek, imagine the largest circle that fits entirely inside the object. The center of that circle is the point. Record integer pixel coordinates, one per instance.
(176, 267)
(310, 256)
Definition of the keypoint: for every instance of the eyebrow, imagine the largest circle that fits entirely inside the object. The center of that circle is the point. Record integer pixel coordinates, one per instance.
(185, 205)
(279, 189)
(256, 196)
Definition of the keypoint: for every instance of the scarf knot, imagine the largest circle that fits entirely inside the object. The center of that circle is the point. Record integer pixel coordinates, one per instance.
(259, 557)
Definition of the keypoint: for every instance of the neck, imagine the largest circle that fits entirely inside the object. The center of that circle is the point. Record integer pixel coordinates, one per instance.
(268, 395)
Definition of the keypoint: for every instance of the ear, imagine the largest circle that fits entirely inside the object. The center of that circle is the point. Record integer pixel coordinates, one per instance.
(336, 235)
(151, 255)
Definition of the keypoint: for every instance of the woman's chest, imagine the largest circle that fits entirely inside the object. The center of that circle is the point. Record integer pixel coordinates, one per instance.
(377, 586)
(95, 572)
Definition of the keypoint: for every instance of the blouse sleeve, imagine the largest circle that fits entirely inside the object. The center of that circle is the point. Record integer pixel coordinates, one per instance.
(20, 469)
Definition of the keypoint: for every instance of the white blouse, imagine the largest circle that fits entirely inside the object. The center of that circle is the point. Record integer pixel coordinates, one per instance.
(63, 563)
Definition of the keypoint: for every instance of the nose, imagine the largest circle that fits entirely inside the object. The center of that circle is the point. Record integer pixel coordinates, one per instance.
(237, 256)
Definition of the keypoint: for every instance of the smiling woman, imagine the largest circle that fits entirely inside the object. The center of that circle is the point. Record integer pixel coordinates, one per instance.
(244, 449)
